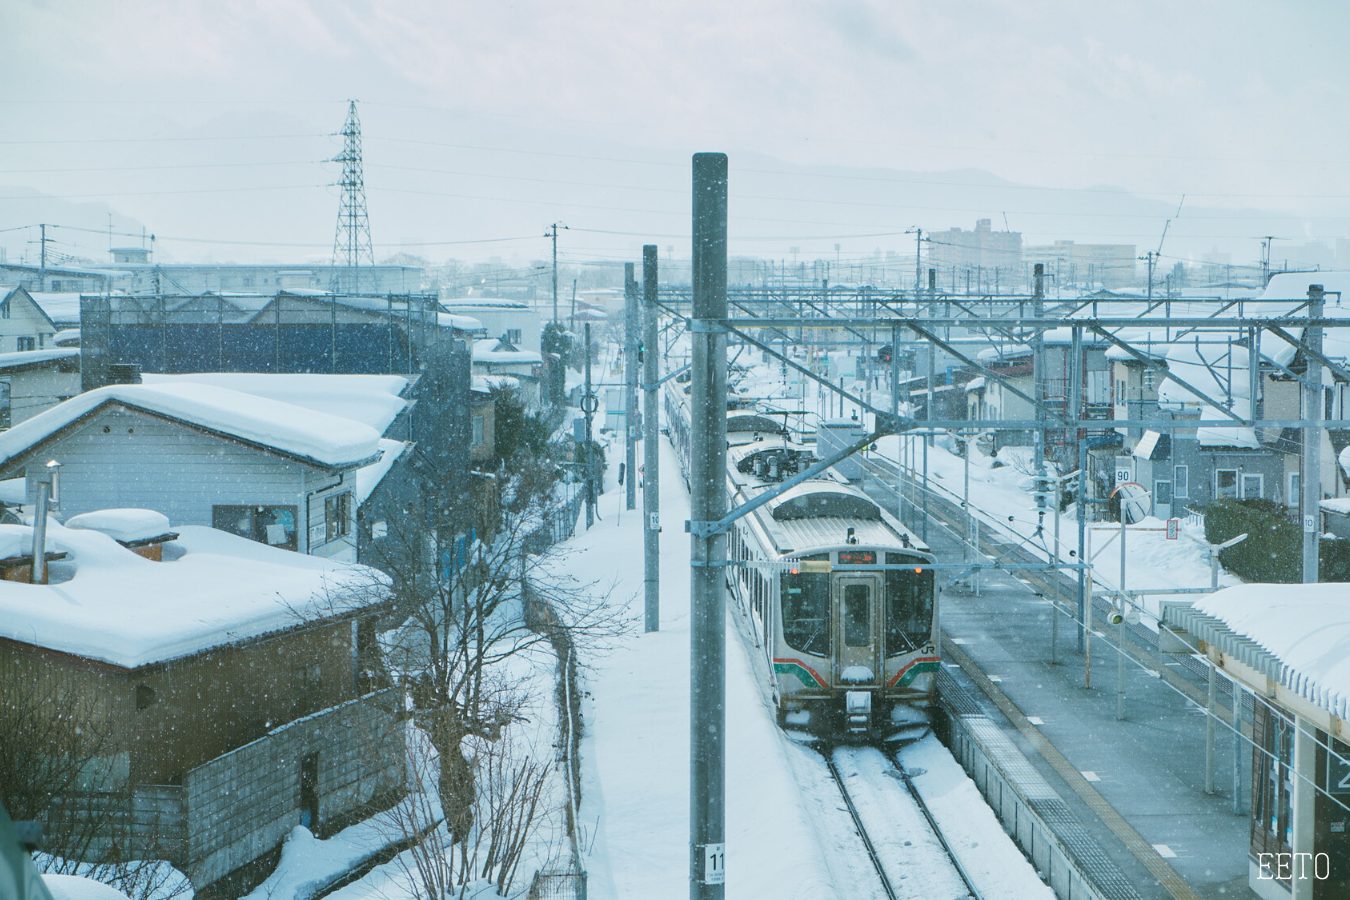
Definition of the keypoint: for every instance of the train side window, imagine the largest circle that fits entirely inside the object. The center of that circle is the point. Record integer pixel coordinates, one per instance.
(909, 607)
(857, 615)
(805, 611)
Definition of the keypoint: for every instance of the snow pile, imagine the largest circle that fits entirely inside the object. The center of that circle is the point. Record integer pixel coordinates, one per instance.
(373, 400)
(16, 540)
(1306, 625)
(975, 834)
(123, 525)
(306, 433)
(123, 609)
(77, 887)
(22, 358)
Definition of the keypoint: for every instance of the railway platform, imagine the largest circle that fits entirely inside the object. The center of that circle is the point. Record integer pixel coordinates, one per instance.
(1125, 797)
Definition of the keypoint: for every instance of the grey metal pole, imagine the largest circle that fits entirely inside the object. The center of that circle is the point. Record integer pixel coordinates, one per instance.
(1038, 386)
(630, 381)
(44, 489)
(1080, 439)
(1120, 628)
(1237, 748)
(1311, 478)
(1211, 693)
(651, 456)
(588, 407)
(708, 501)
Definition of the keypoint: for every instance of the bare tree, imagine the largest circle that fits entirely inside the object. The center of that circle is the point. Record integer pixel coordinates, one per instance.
(463, 613)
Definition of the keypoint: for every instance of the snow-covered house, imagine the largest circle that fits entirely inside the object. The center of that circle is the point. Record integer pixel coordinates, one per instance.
(23, 324)
(228, 693)
(512, 320)
(34, 380)
(499, 356)
(1288, 646)
(272, 471)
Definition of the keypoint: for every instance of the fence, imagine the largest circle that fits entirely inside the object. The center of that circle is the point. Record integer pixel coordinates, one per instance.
(558, 523)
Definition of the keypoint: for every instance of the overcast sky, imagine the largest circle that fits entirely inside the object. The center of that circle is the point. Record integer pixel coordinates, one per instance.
(528, 112)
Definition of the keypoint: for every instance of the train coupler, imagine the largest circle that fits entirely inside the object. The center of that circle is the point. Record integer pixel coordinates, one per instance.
(858, 711)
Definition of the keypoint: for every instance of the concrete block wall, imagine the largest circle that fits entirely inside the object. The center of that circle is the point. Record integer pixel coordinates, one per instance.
(242, 804)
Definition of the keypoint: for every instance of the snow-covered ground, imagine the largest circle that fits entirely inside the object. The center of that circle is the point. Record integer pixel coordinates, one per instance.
(1000, 496)
(787, 831)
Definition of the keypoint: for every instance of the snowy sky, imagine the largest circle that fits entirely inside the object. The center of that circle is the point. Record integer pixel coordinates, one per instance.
(1236, 104)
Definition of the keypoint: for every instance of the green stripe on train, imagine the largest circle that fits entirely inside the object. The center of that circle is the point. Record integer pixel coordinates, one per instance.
(798, 670)
(914, 670)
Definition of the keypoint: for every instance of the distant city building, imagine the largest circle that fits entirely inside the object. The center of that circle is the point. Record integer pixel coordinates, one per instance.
(1071, 263)
(994, 257)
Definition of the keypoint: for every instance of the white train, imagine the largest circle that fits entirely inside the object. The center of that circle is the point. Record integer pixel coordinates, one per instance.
(837, 597)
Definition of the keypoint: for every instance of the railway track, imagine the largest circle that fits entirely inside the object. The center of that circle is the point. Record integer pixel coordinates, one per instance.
(904, 844)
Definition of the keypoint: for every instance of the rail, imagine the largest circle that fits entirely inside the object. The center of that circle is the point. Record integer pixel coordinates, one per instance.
(862, 830)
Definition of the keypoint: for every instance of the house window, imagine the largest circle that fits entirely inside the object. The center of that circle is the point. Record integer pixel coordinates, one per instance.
(337, 515)
(1181, 482)
(1295, 488)
(1253, 487)
(477, 431)
(1225, 484)
(1148, 377)
(145, 696)
(1120, 392)
(273, 525)
(513, 336)
(5, 408)
(27, 343)
(1162, 493)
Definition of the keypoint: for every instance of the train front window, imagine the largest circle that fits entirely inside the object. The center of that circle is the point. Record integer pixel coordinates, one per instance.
(806, 612)
(857, 615)
(909, 606)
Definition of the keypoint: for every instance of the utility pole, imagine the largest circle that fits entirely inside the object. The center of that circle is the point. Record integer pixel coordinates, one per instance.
(553, 233)
(42, 257)
(1265, 258)
(708, 502)
(651, 455)
(1311, 478)
(630, 380)
(588, 407)
(918, 260)
(1038, 387)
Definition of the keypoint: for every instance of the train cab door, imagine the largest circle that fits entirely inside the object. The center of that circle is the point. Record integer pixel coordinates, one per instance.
(857, 624)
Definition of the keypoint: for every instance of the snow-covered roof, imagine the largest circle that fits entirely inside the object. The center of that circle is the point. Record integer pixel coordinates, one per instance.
(283, 427)
(975, 384)
(369, 477)
(1002, 352)
(1343, 459)
(462, 323)
(125, 525)
(14, 491)
(1219, 371)
(495, 303)
(59, 306)
(486, 350)
(23, 359)
(484, 384)
(373, 400)
(126, 610)
(67, 337)
(1339, 505)
(1304, 625)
